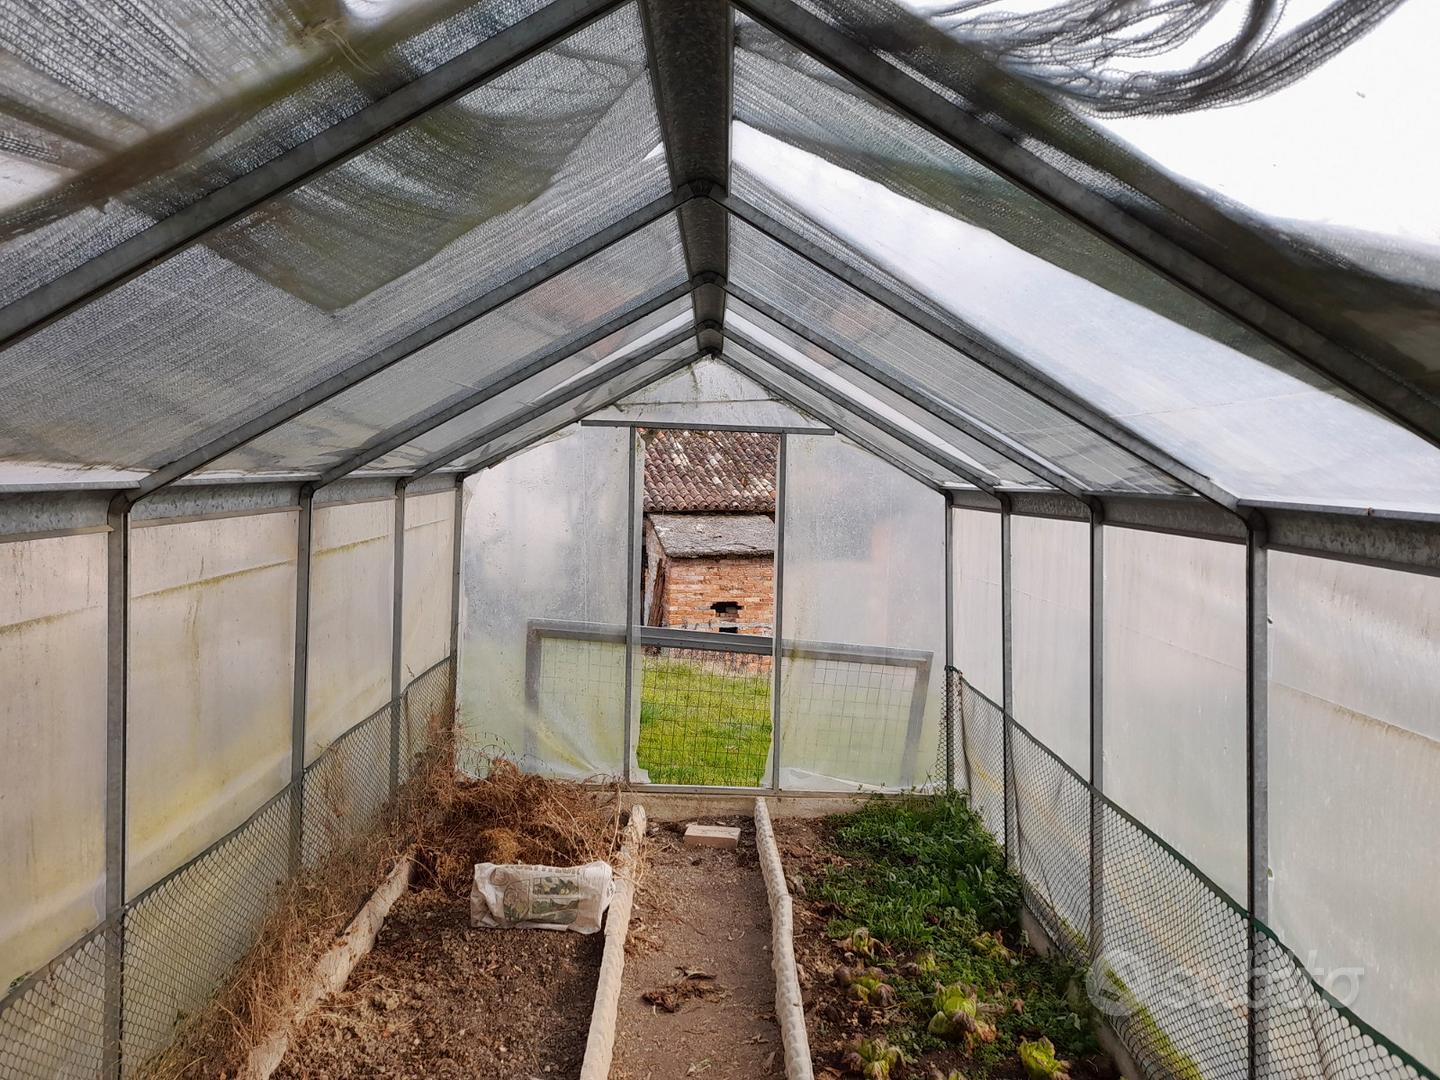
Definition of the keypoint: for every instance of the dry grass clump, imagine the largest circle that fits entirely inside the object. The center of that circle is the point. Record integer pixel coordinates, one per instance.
(448, 823)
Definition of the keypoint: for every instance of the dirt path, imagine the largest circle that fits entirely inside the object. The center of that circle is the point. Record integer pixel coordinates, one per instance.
(701, 921)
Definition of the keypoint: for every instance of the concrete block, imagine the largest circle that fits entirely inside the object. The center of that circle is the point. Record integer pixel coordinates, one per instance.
(721, 836)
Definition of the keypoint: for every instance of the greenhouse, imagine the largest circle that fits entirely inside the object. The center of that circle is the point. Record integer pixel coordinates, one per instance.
(1094, 405)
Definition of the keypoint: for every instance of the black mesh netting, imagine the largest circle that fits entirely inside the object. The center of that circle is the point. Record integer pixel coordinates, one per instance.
(1168, 951)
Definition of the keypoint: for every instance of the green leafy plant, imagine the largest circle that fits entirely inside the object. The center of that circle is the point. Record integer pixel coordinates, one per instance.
(870, 987)
(957, 1015)
(1038, 1057)
(861, 942)
(873, 1058)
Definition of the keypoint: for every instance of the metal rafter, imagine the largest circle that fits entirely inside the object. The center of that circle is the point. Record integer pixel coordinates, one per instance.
(985, 351)
(839, 425)
(629, 387)
(391, 355)
(546, 402)
(287, 171)
(395, 437)
(951, 417)
(948, 460)
(1378, 386)
(690, 46)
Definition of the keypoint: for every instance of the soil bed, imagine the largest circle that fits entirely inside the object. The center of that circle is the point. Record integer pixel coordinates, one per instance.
(700, 945)
(934, 905)
(437, 998)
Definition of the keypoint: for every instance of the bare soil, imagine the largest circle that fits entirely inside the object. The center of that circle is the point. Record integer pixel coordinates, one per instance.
(436, 998)
(700, 942)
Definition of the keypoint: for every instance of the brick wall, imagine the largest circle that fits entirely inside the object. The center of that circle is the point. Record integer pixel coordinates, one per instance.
(692, 585)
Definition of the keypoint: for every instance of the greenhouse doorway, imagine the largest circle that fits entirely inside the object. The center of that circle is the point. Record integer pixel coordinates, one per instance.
(704, 606)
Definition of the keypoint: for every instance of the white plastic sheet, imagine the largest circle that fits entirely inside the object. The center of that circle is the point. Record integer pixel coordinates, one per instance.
(707, 392)
(429, 575)
(52, 746)
(352, 576)
(212, 646)
(1050, 561)
(545, 540)
(865, 566)
(1175, 693)
(976, 550)
(1354, 767)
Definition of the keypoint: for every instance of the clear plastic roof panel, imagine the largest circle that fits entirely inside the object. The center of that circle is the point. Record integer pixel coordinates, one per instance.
(1258, 431)
(120, 114)
(838, 313)
(435, 215)
(637, 342)
(707, 392)
(775, 342)
(628, 275)
(1291, 189)
(789, 108)
(575, 408)
(860, 431)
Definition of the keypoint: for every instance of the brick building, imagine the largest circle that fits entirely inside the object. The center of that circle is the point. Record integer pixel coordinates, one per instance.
(709, 547)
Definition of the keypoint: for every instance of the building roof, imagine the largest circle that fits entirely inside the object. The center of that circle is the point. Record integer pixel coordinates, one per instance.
(690, 536)
(710, 471)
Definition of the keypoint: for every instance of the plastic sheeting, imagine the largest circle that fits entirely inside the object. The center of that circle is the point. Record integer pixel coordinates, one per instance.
(1050, 561)
(1354, 766)
(352, 573)
(864, 565)
(52, 746)
(1175, 693)
(707, 392)
(975, 546)
(212, 646)
(545, 540)
(429, 577)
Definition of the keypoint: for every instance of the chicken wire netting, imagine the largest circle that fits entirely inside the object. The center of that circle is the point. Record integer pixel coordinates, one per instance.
(178, 940)
(704, 717)
(1168, 952)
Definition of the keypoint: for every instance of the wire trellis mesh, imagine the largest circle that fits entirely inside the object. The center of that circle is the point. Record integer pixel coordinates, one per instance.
(177, 941)
(1168, 951)
(704, 717)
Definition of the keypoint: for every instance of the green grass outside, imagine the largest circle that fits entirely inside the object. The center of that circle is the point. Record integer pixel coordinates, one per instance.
(703, 727)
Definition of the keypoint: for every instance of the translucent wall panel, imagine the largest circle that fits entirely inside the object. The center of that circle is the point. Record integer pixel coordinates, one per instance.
(979, 647)
(352, 572)
(707, 392)
(864, 566)
(1355, 784)
(545, 549)
(434, 215)
(429, 576)
(1050, 624)
(212, 646)
(1175, 693)
(52, 746)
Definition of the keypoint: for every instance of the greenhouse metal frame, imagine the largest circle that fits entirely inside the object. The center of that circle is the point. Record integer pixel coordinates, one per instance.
(156, 377)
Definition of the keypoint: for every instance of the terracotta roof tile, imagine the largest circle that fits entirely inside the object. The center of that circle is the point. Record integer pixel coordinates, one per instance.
(712, 472)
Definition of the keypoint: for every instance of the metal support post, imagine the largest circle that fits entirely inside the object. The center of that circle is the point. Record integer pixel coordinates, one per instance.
(777, 634)
(636, 522)
(1097, 725)
(1257, 802)
(1007, 667)
(397, 620)
(117, 671)
(303, 539)
(950, 704)
(457, 543)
